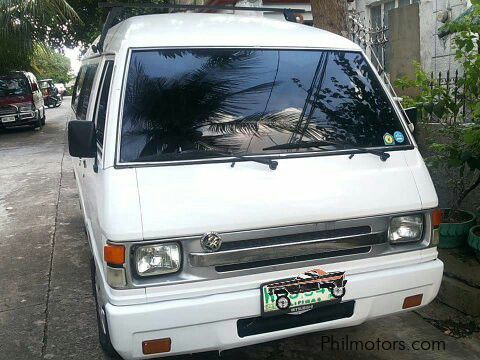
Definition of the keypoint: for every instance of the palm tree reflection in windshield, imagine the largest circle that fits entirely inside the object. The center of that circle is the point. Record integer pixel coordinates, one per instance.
(181, 104)
(350, 106)
(200, 109)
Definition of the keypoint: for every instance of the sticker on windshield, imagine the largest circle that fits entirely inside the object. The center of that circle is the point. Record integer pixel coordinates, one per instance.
(399, 138)
(388, 139)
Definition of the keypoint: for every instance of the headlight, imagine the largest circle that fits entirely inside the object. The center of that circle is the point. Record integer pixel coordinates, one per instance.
(405, 229)
(26, 107)
(157, 259)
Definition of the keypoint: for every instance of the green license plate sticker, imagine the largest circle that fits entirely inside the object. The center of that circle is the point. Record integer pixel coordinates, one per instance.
(300, 302)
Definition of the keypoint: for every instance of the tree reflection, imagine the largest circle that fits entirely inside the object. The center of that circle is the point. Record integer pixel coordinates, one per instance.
(203, 107)
(352, 108)
(220, 100)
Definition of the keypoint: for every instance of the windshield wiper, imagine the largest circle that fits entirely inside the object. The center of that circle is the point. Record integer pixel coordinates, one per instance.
(307, 144)
(272, 164)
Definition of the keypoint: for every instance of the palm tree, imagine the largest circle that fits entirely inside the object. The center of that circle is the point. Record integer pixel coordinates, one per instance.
(27, 23)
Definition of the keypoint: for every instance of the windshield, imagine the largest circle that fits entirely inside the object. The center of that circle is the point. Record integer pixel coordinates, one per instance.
(190, 104)
(44, 84)
(13, 86)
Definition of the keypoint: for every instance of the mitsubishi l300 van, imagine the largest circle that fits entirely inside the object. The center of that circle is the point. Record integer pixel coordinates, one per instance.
(244, 180)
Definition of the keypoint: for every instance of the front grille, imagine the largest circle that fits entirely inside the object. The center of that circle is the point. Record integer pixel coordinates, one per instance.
(292, 259)
(324, 313)
(302, 237)
(8, 110)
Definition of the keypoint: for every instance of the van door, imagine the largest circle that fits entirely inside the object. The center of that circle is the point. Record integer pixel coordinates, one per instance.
(80, 105)
(94, 172)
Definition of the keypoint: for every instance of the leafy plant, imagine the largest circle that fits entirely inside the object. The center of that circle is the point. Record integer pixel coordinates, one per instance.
(459, 150)
(27, 24)
(49, 64)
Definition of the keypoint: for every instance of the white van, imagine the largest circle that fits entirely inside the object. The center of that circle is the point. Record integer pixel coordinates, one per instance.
(244, 180)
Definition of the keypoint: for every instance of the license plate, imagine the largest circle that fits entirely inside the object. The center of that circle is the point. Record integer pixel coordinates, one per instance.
(8, 119)
(302, 293)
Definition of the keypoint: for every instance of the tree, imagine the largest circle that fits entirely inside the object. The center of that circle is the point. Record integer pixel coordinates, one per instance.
(331, 15)
(23, 24)
(48, 64)
(92, 17)
(460, 150)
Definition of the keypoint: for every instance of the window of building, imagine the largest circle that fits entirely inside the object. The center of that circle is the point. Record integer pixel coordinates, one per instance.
(379, 20)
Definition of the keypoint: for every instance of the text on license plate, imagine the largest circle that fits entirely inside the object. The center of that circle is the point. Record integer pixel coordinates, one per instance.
(8, 119)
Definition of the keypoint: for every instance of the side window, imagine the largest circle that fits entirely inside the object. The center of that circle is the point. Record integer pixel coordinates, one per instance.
(86, 90)
(78, 87)
(82, 91)
(102, 102)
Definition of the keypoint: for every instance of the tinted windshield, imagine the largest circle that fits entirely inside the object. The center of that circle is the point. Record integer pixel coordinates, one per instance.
(193, 104)
(44, 84)
(13, 85)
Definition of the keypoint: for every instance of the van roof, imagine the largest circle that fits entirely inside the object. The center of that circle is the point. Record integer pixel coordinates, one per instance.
(199, 29)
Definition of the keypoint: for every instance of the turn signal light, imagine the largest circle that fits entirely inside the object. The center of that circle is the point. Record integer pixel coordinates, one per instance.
(156, 346)
(436, 218)
(114, 254)
(412, 301)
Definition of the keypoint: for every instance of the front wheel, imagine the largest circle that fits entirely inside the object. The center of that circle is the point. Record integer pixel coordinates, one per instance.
(37, 125)
(103, 334)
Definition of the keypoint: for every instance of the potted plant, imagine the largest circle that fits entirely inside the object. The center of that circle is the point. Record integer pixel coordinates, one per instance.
(474, 240)
(455, 227)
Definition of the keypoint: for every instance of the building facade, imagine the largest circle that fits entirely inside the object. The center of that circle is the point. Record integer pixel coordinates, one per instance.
(411, 33)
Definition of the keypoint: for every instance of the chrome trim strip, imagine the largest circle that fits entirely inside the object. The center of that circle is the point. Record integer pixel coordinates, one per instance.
(284, 250)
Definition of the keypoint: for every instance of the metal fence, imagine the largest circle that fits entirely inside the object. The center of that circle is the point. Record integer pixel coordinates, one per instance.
(450, 81)
(372, 39)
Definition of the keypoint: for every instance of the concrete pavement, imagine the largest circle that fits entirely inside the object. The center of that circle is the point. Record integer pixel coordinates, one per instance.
(46, 304)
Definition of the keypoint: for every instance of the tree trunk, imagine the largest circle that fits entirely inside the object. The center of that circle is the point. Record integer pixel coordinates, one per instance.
(331, 15)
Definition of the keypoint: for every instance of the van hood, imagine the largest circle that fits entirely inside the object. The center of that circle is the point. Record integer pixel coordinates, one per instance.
(195, 199)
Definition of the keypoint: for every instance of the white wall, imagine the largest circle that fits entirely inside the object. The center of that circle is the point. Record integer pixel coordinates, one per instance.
(442, 49)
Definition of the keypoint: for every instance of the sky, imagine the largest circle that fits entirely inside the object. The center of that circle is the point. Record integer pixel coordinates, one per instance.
(73, 55)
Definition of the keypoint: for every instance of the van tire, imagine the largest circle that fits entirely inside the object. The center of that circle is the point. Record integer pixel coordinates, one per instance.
(38, 123)
(103, 335)
(44, 118)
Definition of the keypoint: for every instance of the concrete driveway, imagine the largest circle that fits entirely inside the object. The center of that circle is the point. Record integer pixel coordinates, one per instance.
(46, 304)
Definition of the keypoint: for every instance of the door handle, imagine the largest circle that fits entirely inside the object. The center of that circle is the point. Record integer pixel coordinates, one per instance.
(85, 164)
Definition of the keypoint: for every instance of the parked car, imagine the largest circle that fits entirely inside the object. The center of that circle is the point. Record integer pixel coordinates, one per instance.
(51, 96)
(235, 151)
(21, 102)
(61, 89)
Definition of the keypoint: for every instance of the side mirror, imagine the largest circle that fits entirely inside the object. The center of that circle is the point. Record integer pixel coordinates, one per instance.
(81, 139)
(34, 87)
(411, 113)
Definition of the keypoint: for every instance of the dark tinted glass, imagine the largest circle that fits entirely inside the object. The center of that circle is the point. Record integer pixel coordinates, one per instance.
(78, 86)
(193, 104)
(103, 101)
(83, 89)
(13, 86)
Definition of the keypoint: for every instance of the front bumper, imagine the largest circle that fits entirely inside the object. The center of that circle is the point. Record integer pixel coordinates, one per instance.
(210, 322)
(21, 118)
